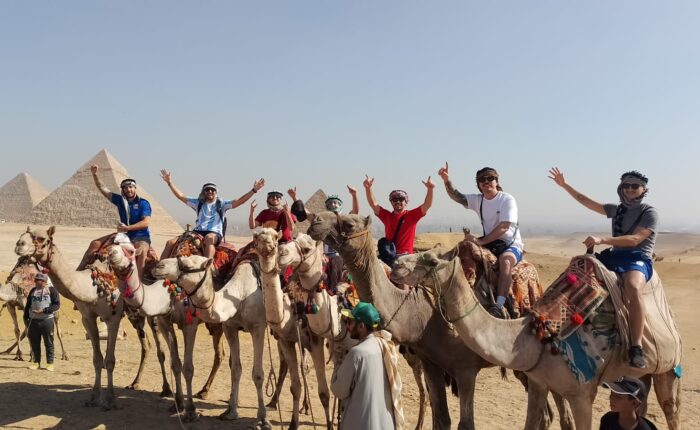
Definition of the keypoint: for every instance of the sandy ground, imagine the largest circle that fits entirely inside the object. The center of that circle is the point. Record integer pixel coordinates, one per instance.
(39, 399)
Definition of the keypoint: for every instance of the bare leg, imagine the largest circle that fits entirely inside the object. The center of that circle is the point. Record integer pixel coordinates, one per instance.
(216, 331)
(506, 262)
(142, 248)
(209, 245)
(634, 282)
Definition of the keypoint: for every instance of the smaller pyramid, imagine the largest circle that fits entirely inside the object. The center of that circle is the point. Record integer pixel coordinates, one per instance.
(315, 204)
(78, 202)
(19, 196)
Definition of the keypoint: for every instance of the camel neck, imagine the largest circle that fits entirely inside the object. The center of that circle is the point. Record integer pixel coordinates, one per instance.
(68, 282)
(276, 313)
(149, 299)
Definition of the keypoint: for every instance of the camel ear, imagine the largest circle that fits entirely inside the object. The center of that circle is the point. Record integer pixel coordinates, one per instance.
(431, 259)
(29, 229)
(368, 221)
(51, 231)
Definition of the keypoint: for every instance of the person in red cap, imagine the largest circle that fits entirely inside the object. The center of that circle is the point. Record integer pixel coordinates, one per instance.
(626, 396)
(399, 223)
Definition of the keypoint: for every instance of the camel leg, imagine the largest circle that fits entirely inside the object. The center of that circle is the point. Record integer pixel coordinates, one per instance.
(281, 376)
(466, 384)
(566, 419)
(319, 360)
(216, 331)
(435, 381)
(113, 327)
(539, 413)
(258, 335)
(13, 314)
(139, 322)
(290, 355)
(668, 392)
(417, 369)
(166, 391)
(231, 333)
(168, 331)
(190, 332)
(582, 408)
(90, 325)
(64, 355)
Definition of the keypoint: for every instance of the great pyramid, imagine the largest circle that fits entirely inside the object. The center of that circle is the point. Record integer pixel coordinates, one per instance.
(315, 204)
(79, 203)
(19, 196)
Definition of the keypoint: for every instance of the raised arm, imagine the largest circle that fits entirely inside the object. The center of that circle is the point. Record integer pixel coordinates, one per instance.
(428, 195)
(257, 185)
(355, 203)
(367, 183)
(100, 186)
(251, 218)
(558, 177)
(452, 191)
(167, 177)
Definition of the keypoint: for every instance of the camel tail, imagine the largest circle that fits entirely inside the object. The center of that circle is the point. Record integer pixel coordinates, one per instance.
(504, 373)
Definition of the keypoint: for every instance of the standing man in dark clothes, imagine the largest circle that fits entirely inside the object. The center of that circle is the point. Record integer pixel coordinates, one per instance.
(42, 303)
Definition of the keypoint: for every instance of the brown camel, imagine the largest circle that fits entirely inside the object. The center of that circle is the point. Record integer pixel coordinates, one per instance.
(511, 343)
(415, 321)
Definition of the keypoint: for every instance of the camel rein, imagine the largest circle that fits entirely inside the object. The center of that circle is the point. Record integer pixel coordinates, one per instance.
(129, 273)
(441, 293)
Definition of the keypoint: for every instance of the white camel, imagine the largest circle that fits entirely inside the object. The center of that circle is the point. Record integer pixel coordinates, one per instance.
(238, 306)
(282, 319)
(511, 344)
(305, 255)
(154, 301)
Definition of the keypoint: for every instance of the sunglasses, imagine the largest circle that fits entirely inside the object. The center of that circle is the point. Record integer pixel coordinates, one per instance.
(485, 179)
(397, 199)
(626, 186)
(206, 190)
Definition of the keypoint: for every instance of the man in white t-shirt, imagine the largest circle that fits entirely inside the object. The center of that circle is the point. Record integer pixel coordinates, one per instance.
(210, 212)
(498, 213)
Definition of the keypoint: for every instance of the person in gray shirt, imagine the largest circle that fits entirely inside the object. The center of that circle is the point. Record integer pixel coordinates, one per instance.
(634, 228)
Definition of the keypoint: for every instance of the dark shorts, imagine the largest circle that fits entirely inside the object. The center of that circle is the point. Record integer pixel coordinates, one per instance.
(205, 233)
(625, 260)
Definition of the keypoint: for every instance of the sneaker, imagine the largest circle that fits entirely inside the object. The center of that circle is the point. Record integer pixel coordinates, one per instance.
(33, 366)
(49, 367)
(497, 311)
(637, 357)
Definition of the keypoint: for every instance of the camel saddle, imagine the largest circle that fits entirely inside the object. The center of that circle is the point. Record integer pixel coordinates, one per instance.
(587, 326)
(225, 256)
(107, 241)
(481, 269)
(22, 276)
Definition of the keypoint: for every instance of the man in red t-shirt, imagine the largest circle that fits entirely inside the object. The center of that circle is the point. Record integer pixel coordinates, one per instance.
(277, 216)
(399, 201)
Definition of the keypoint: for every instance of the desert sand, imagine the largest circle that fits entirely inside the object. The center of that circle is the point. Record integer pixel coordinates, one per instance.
(39, 399)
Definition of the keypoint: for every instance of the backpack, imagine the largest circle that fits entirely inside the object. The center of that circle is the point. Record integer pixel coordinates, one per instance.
(220, 211)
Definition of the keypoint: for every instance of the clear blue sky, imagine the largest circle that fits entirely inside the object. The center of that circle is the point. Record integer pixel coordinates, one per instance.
(318, 93)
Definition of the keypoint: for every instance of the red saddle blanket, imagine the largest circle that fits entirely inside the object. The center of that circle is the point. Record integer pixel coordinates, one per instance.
(190, 243)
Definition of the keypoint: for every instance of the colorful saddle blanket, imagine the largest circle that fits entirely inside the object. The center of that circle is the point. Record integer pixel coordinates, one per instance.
(101, 254)
(225, 256)
(22, 276)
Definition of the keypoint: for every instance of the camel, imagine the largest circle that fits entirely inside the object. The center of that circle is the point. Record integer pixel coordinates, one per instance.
(154, 302)
(305, 255)
(415, 321)
(237, 306)
(15, 297)
(511, 343)
(281, 317)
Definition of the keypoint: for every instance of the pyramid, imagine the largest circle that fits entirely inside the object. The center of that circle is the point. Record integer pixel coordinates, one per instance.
(19, 196)
(315, 204)
(79, 203)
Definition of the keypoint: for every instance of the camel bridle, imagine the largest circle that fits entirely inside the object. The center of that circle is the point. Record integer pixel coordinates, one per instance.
(128, 272)
(184, 271)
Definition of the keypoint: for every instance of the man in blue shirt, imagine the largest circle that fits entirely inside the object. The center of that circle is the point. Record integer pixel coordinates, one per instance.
(134, 217)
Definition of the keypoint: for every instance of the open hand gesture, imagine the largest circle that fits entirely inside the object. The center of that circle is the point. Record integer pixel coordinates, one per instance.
(166, 176)
(352, 190)
(368, 182)
(429, 183)
(257, 185)
(557, 176)
(292, 193)
(444, 172)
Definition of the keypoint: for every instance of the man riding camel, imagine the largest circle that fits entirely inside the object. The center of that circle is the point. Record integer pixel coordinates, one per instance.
(210, 212)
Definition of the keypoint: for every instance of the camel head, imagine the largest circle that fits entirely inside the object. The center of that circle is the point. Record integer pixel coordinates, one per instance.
(121, 256)
(266, 246)
(325, 227)
(185, 271)
(298, 252)
(414, 269)
(35, 242)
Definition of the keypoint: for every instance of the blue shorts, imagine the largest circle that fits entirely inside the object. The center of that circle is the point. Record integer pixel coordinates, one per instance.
(517, 252)
(625, 260)
(205, 233)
